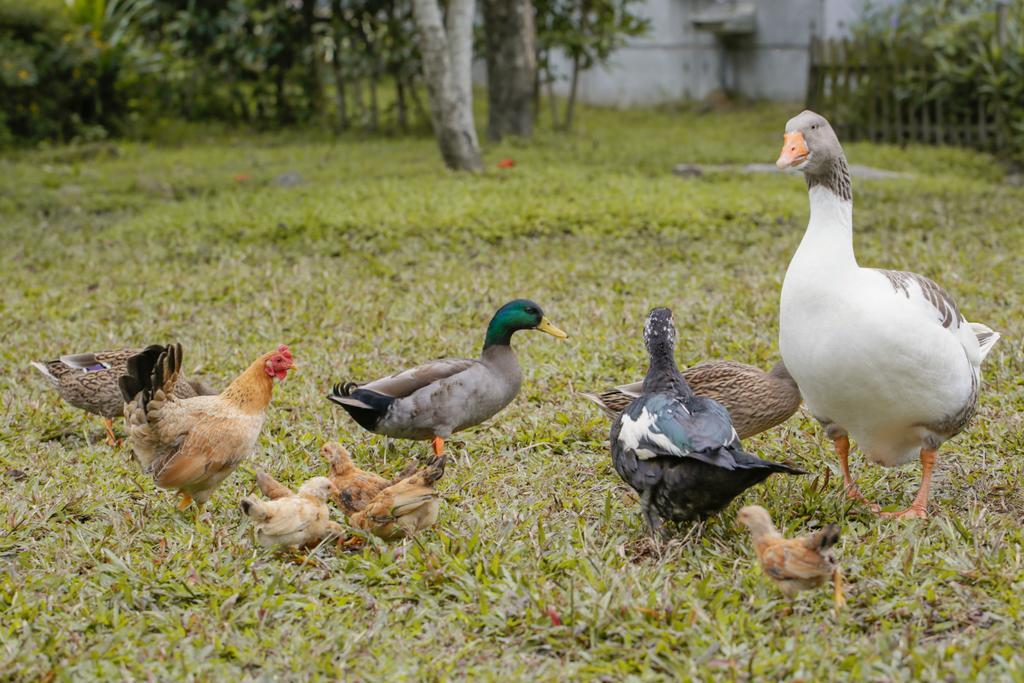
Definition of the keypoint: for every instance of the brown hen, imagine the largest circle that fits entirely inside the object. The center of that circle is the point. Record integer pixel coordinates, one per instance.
(192, 444)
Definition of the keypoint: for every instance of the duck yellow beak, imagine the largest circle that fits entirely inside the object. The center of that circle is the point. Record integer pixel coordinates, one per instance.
(794, 151)
(546, 326)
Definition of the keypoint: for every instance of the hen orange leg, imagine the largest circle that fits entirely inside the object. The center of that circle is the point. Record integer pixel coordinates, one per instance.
(438, 444)
(842, 445)
(919, 508)
(186, 500)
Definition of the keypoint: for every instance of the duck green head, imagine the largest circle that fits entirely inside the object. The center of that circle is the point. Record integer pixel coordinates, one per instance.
(521, 314)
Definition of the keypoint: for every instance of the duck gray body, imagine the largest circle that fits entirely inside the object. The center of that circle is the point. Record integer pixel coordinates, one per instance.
(434, 400)
(447, 396)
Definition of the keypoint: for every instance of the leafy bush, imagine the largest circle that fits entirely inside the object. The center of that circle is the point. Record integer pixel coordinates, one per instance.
(972, 52)
(87, 68)
(63, 67)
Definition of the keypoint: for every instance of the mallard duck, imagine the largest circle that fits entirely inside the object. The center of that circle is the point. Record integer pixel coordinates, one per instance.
(884, 356)
(756, 400)
(434, 400)
(89, 381)
(679, 451)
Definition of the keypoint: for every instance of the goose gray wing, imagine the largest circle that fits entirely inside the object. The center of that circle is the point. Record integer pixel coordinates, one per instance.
(927, 293)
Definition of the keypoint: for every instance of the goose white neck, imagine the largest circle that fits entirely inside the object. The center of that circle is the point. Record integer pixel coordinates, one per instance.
(829, 233)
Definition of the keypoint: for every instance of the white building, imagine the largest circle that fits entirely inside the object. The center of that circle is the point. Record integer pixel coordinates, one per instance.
(756, 48)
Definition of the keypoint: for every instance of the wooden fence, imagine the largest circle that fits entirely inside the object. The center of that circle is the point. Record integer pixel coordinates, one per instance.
(870, 90)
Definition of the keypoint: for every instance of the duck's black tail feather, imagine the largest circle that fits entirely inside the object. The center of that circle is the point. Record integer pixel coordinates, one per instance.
(747, 461)
(366, 407)
(435, 468)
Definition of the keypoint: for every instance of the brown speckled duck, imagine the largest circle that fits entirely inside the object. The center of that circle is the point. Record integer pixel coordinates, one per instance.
(756, 400)
(89, 381)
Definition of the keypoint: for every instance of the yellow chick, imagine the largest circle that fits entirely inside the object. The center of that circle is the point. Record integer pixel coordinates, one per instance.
(292, 520)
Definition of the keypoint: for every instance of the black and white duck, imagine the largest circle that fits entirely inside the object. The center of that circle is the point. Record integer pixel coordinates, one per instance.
(679, 451)
(756, 400)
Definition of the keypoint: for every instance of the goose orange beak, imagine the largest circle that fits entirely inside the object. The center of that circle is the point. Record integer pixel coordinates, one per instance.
(794, 151)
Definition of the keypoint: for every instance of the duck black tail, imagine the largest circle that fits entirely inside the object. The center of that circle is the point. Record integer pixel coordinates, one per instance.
(435, 469)
(747, 461)
(366, 407)
(783, 467)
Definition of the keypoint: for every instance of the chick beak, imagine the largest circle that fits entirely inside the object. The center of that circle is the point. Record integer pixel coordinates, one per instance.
(546, 327)
(794, 151)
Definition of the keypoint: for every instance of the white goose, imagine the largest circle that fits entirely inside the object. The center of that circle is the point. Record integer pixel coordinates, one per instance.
(883, 356)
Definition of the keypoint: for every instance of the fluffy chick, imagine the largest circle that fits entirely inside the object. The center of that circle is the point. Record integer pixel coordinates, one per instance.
(356, 487)
(292, 520)
(404, 508)
(795, 564)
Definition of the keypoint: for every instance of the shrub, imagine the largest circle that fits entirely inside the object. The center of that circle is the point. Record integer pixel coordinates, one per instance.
(63, 68)
(970, 55)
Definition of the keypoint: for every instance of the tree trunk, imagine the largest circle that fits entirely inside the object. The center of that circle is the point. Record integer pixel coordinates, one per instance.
(359, 101)
(374, 106)
(447, 63)
(536, 91)
(417, 101)
(511, 66)
(314, 81)
(552, 102)
(570, 106)
(339, 87)
(401, 108)
(283, 109)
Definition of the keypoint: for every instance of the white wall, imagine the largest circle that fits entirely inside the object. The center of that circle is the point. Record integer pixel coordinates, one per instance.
(675, 61)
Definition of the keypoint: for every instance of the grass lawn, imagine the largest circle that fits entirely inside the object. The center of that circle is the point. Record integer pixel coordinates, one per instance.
(379, 258)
